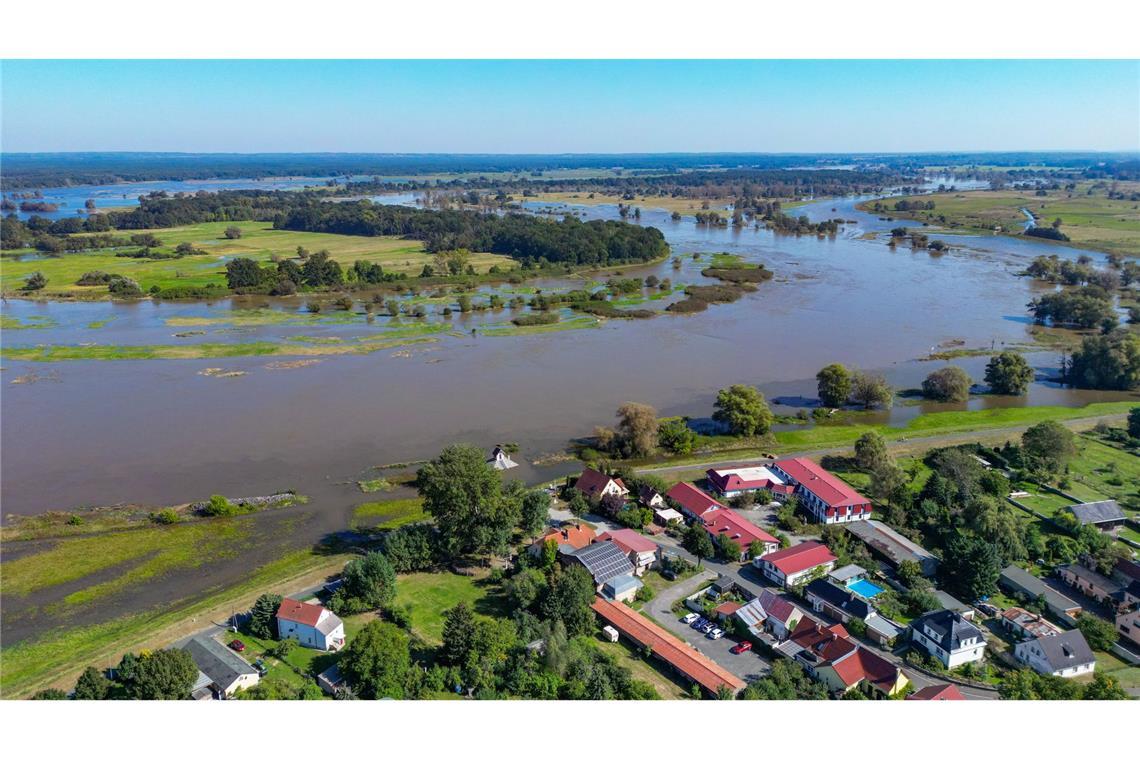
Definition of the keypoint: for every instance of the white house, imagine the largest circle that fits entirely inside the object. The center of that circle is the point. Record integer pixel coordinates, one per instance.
(500, 460)
(948, 637)
(594, 485)
(1065, 654)
(310, 624)
(796, 564)
(221, 671)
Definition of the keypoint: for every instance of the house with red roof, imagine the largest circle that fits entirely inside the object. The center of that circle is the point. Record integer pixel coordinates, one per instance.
(642, 552)
(310, 624)
(570, 537)
(594, 485)
(741, 480)
(796, 564)
(726, 522)
(827, 498)
(692, 501)
(831, 656)
(946, 692)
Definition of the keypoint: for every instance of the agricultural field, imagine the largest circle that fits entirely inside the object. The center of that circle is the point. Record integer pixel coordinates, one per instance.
(258, 241)
(1091, 221)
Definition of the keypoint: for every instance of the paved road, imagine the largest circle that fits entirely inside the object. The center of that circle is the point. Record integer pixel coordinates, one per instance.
(748, 666)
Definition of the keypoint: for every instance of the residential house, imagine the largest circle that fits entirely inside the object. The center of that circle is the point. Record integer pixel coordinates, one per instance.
(1021, 583)
(221, 671)
(741, 531)
(827, 498)
(621, 588)
(642, 552)
(1126, 571)
(595, 485)
(500, 460)
(725, 611)
(831, 656)
(769, 612)
(1128, 624)
(668, 516)
(842, 604)
(948, 602)
(948, 637)
(310, 624)
(1105, 515)
(742, 480)
(1064, 654)
(649, 497)
(692, 501)
(1026, 625)
(1090, 583)
(946, 692)
(796, 564)
(569, 537)
(896, 548)
(603, 561)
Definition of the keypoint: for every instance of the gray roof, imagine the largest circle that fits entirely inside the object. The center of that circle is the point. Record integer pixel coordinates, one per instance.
(1095, 512)
(846, 573)
(883, 626)
(1091, 577)
(892, 544)
(1016, 579)
(948, 628)
(604, 560)
(622, 583)
(949, 602)
(329, 623)
(840, 598)
(1066, 650)
(219, 663)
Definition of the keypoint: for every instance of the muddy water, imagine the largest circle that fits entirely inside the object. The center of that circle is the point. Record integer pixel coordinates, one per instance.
(159, 432)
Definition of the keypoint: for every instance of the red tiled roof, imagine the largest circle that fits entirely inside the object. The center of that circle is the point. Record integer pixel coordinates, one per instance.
(946, 692)
(300, 612)
(865, 665)
(797, 558)
(833, 491)
(727, 608)
(629, 540)
(738, 528)
(733, 482)
(577, 535)
(591, 482)
(693, 499)
(684, 658)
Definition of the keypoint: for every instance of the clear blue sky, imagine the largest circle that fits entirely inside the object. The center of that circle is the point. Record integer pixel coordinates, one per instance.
(570, 106)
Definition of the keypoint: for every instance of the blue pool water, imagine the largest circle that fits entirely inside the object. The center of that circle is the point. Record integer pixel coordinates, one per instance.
(865, 588)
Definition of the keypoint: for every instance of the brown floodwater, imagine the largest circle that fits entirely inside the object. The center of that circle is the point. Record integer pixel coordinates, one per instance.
(158, 432)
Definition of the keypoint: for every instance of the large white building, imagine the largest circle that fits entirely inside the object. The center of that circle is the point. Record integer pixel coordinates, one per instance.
(826, 497)
(310, 624)
(1064, 654)
(948, 637)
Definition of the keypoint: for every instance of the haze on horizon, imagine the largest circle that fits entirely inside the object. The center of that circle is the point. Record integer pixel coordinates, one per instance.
(554, 107)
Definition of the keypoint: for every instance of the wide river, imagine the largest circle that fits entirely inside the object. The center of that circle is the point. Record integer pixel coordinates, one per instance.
(158, 432)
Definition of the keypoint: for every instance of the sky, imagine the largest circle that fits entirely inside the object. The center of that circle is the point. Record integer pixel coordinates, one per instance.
(568, 106)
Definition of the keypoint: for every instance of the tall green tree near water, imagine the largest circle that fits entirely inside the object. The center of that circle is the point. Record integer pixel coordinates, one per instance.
(834, 384)
(377, 660)
(743, 409)
(465, 496)
(1009, 374)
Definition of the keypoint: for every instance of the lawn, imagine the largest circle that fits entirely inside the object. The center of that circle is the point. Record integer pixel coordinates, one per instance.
(1103, 472)
(426, 596)
(1128, 675)
(642, 669)
(258, 241)
(388, 514)
(1090, 221)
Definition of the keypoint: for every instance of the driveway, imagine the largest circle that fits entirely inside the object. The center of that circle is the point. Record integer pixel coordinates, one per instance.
(748, 666)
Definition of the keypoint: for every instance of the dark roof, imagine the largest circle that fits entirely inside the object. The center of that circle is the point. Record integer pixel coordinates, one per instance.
(1019, 580)
(840, 598)
(603, 560)
(1128, 569)
(1097, 512)
(1066, 650)
(592, 482)
(219, 663)
(948, 628)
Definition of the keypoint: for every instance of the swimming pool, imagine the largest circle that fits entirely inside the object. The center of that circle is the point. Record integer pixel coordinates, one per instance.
(865, 588)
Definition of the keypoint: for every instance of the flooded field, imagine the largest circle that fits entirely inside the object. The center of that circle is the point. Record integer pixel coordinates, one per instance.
(160, 431)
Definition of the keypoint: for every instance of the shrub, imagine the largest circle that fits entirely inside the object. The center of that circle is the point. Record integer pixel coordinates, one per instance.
(165, 516)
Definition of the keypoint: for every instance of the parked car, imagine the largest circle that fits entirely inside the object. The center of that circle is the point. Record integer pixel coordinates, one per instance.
(259, 666)
(742, 647)
(700, 621)
(688, 619)
(715, 634)
(237, 645)
(708, 628)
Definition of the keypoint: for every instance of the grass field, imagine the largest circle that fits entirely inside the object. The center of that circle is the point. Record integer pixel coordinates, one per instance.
(1104, 472)
(388, 514)
(57, 656)
(1091, 221)
(426, 596)
(258, 241)
(1128, 675)
(642, 669)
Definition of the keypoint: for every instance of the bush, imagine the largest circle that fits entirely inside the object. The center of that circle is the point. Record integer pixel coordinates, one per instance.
(218, 506)
(947, 384)
(164, 516)
(645, 594)
(233, 232)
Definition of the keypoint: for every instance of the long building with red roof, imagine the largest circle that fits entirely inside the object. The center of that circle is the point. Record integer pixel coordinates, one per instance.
(694, 502)
(726, 522)
(796, 563)
(824, 496)
(683, 658)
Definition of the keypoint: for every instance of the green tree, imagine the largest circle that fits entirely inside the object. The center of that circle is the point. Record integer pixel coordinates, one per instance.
(1104, 686)
(1050, 444)
(1106, 362)
(163, 674)
(377, 661)
(53, 694)
(637, 429)
(263, 616)
(697, 542)
(834, 383)
(458, 634)
(1100, 634)
(871, 389)
(786, 681)
(1134, 422)
(369, 584)
(970, 566)
(535, 512)
(743, 409)
(1009, 374)
(233, 232)
(92, 684)
(464, 494)
(35, 281)
(947, 384)
(871, 452)
(676, 436)
(568, 599)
